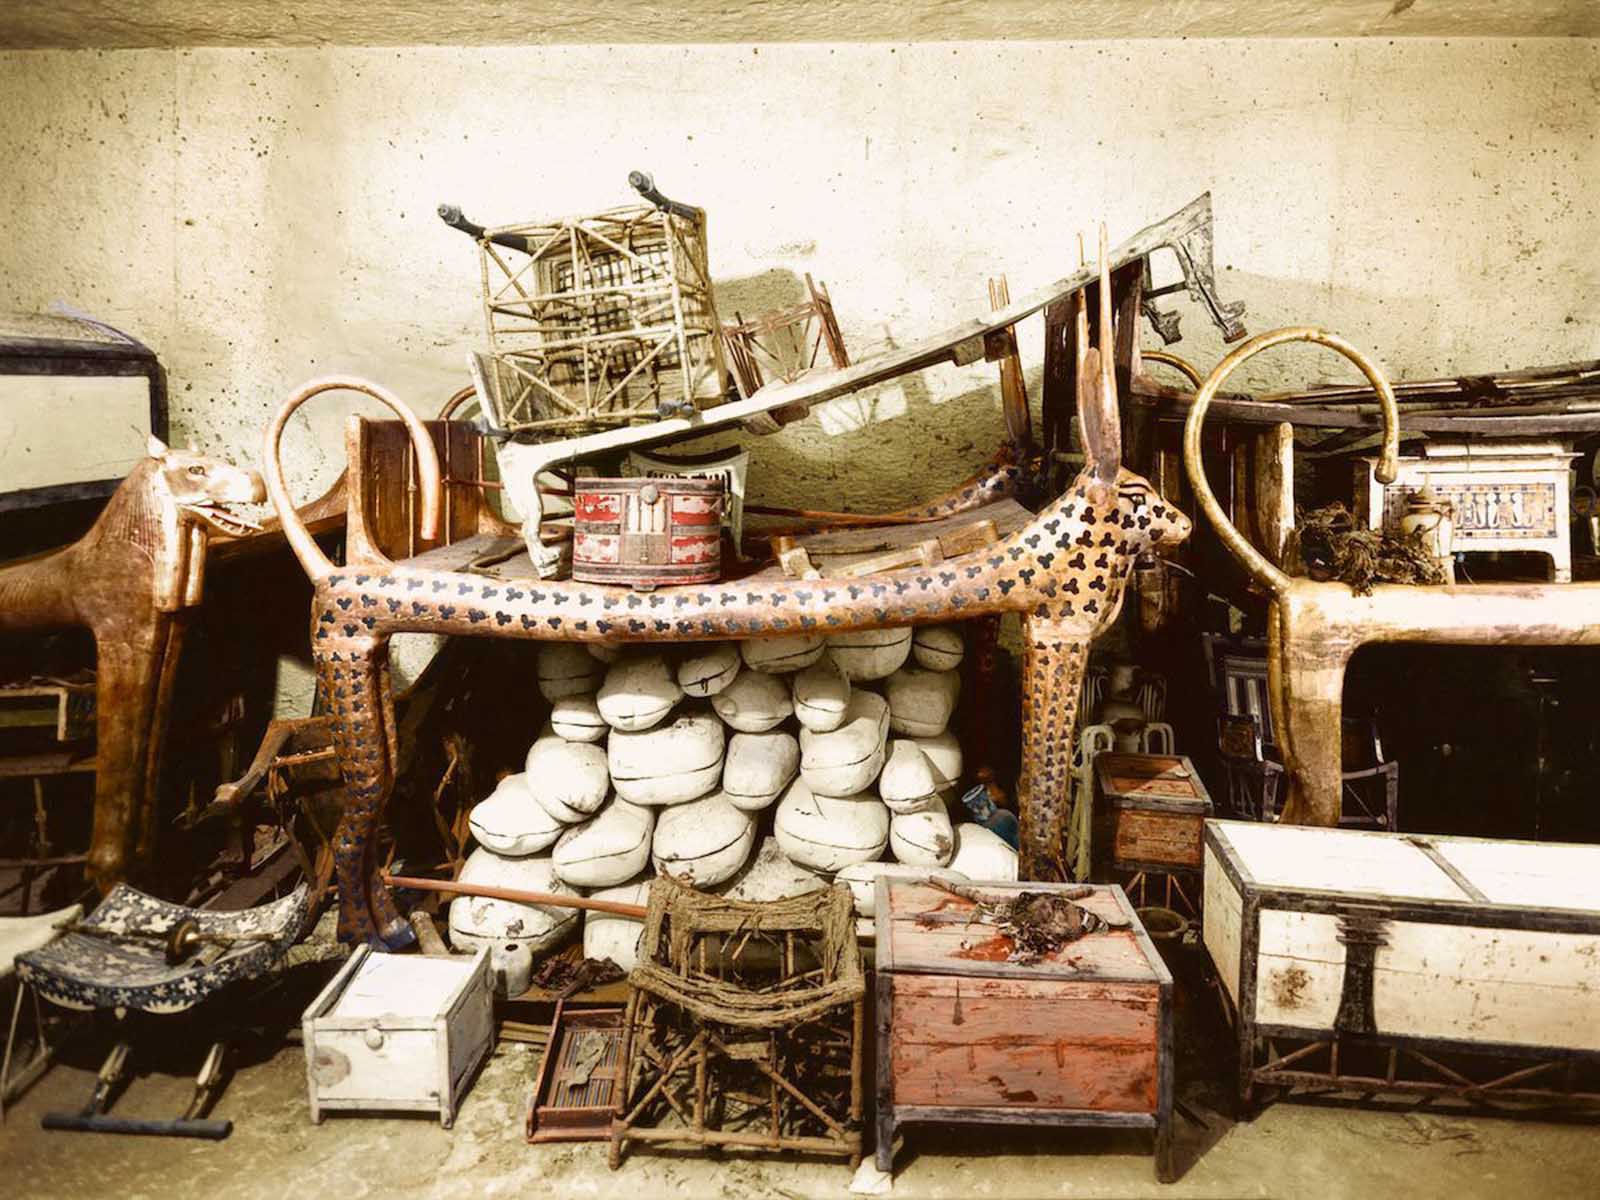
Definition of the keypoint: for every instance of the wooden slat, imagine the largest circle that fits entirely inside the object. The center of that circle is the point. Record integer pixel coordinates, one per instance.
(994, 1042)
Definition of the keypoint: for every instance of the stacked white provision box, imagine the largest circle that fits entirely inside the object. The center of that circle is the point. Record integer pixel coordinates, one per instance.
(667, 759)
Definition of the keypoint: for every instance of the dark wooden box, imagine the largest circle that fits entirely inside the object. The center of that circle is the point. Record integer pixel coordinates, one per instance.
(1150, 813)
(1082, 1038)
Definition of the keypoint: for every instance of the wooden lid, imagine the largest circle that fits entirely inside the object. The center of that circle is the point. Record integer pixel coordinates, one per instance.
(955, 947)
(1166, 778)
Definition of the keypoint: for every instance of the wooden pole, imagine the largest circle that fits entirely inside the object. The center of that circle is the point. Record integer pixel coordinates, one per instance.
(519, 897)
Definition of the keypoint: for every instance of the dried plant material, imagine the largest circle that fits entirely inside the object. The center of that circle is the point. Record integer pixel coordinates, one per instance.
(1037, 923)
(1334, 547)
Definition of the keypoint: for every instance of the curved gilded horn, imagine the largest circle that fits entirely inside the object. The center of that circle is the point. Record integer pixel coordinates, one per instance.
(1264, 572)
(1179, 364)
(305, 548)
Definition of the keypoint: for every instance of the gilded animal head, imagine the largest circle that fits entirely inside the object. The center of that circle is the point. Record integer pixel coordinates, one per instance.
(203, 486)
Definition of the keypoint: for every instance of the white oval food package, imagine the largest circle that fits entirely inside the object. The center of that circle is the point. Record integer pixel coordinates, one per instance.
(826, 833)
(754, 702)
(776, 655)
(510, 822)
(821, 696)
(863, 880)
(669, 764)
(577, 719)
(772, 875)
(708, 669)
(638, 692)
(938, 647)
(924, 837)
(758, 767)
(921, 701)
(566, 669)
(908, 781)
(610, 848)
(983, 856)
(703, 842)
(944, 754)
(479, 921)
(568, 779)
(612, 935)
(871, 653)
(847, 760)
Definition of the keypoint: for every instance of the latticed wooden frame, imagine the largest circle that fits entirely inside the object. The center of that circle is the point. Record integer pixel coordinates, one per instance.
(784, 343)
(606, 320)
(744, 1025)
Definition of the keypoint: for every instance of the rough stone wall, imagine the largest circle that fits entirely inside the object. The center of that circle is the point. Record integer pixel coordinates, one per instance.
(263, 216)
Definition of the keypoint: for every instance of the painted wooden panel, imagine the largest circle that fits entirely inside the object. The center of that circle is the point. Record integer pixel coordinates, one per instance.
(1299, 969)
(1146, 836)
(1536, 875)
(993, 1042)
(471, 1034)
(1221, 925)
(1452, 982)
(1338, 860)
(402, 1067)
(1495, 985)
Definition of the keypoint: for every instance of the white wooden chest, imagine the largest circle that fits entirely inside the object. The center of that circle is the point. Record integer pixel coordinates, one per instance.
(395, 1031)
(1421, 945)
(1502, 495)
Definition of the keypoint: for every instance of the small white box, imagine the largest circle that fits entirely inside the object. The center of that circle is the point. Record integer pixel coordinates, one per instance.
(395, 1031)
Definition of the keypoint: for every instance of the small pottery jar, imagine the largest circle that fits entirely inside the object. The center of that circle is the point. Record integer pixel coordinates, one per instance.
(1431, 517)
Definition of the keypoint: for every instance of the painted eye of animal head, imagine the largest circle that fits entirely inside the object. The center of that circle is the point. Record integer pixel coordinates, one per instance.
(197, 471)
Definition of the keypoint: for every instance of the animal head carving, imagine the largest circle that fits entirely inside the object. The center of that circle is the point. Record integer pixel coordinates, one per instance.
(202, 486)
(1156, 527)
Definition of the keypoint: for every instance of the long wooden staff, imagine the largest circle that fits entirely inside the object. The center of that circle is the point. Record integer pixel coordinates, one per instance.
(552, 899)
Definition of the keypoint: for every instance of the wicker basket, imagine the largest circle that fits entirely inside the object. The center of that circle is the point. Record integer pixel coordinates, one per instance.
(598, 321)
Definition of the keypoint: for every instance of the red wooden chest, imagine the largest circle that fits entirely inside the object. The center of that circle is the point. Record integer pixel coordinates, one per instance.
(1080, 1038)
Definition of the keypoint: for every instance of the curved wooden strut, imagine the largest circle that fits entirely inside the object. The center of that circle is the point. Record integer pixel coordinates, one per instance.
(1065, 573)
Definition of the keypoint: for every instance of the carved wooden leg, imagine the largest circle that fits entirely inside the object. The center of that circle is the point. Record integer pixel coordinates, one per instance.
(127, 671)
(1305, 681)
(1053, 659)
(352, 675)
(169, 655)
(983, 639)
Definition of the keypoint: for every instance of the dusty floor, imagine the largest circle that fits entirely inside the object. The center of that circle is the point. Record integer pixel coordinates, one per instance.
(1290, 1150)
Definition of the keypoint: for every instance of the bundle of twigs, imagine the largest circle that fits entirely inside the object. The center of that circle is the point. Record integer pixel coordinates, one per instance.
(1335, 547)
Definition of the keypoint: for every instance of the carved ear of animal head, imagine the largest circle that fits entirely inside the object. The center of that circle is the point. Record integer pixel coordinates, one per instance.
(1099, 422)
(201, 485)
(155, 447)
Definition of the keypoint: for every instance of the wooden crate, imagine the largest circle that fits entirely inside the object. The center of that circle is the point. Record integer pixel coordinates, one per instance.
(1374, 962)
(1150, 812)
(1082, 1038)
(399, 1032)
